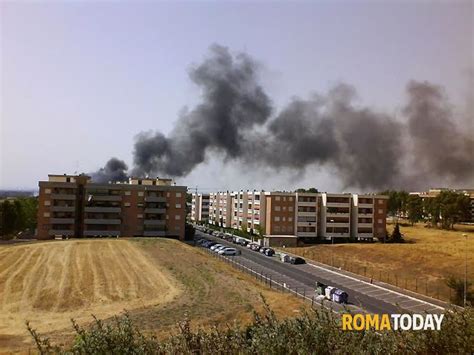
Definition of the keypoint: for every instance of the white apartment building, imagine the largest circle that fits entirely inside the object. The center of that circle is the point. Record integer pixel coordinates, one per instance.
(200, 207)
(220, 209)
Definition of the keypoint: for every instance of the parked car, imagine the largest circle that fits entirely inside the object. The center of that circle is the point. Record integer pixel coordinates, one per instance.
(250, 245)
(215, 246)
(219, 248)
(255, 247)
(340, 296)
(269, 252)
(284, 258)
(297, 260)
(229, 251)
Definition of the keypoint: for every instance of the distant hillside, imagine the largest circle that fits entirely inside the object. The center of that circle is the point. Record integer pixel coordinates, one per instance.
(16, 193)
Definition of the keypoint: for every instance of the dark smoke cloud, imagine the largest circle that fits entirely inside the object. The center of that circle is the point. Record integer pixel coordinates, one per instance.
(364, 148)
(441, 149)
(114, 170)
(232, 104)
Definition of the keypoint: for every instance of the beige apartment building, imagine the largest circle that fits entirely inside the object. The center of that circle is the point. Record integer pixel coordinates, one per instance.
(200, 207)
(220, 209)
(285, 217)
(75, 206)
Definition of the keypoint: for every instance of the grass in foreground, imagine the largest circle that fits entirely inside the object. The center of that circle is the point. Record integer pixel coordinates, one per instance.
(317, 331)
(422, 264)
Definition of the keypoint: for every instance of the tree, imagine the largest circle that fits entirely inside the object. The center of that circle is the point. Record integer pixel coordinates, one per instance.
(396, 236)
(454, 207)
(311, 189)
(431, 209)
(189, 231)
(9, 217)
(414, 208)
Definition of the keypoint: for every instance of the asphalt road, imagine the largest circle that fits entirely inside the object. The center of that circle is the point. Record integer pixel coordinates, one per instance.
(362, 295)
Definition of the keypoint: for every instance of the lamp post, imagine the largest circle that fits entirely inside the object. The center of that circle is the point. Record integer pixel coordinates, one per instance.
(332, 242)
(465, 268)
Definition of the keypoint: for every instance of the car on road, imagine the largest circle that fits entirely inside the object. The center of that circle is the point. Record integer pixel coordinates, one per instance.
(229, 251)
(284, 258)
(269, 252)
(209, 244)
(215, 246)
(297, 260)
(216, 250)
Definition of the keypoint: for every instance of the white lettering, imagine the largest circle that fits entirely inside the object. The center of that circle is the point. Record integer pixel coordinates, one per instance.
(395, 318)
(438, 319)
(429, 324)
(418, 322)
(405, 322)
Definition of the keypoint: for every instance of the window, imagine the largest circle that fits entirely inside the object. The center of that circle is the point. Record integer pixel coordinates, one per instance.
(380, 202)
(167, 194)
(276, 219)
(127, 204)
(283, 229)
(139, 216)
(277, 228)
(127, 193)
(290, 198)
(140, 204)
(290, 219)
(379, 221)
(46, 214)
(140, 193)
(47, 191)
(178, 205)
(277, 208)
(277, 198)
(380, 211)
(47, 203)
(178, 194)
(283, 219)
(284, 208)
(177, 217)
(177, 228)
(290, 208)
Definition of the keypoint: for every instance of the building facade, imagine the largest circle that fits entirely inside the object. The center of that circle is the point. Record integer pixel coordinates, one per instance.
(75, 206)
(285, 217)
(200, 207)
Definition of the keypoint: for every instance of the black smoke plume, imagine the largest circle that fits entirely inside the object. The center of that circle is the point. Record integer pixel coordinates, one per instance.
(114, 170)
(364, 148)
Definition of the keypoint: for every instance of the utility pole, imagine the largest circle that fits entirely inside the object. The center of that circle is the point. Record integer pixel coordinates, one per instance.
(465, 269)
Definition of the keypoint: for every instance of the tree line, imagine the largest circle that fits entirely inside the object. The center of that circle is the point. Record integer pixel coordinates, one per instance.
(17, 215)
(443, 210)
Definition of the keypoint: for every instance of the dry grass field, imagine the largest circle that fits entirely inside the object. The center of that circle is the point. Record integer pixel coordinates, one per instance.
(159, 282)
(422, 264)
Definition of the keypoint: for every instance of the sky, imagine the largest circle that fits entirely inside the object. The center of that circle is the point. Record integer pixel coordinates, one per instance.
(80, 79)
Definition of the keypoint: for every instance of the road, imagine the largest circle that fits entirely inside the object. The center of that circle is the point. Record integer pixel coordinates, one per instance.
(363, 296)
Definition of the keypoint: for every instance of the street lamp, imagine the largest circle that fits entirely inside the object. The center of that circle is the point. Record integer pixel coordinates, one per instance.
(465, 268)
(332, 235)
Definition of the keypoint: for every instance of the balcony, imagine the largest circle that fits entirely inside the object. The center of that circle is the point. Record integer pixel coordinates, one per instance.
(155, 199)
(61, 220)
(154, 222)
(366, 205)
(338, 204)
(365, 235)
(306, 214)
(65, 232)
(330, 225)
(155, 210)
(63, 197)
(105, 233)
(102, 221)
(337, 214)
(365, 225)
(365, 215)
(107, 197)
(307, 203)
(306, 224)
(103, 209)
(154, 233)
(62, 208)
(306, 234)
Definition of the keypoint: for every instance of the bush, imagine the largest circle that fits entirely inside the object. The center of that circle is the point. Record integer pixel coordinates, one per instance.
(317, 331)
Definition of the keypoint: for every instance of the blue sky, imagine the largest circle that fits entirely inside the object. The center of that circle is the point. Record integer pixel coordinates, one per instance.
(80, 79)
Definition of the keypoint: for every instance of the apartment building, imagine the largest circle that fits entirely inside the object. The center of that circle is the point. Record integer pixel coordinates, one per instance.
(368, 216)
(220, 209)
(75, 206)
(256, 211)
(239, 212)
(335, 216)
(307, 211)
(200, 207)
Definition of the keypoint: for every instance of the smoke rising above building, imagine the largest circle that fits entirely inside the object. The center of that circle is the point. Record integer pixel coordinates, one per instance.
(365, 149)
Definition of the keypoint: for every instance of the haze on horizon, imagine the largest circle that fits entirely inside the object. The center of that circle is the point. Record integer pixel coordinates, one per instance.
(79, 81)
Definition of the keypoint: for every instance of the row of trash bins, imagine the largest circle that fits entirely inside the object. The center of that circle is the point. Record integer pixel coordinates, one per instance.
(332, 293)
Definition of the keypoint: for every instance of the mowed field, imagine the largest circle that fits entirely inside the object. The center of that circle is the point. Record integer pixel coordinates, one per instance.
(158, 281)
(422, 264)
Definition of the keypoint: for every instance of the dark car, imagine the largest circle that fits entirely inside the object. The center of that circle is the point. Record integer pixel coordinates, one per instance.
(262, 250)
(269, 252)
(297, 261)
(209, 244)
